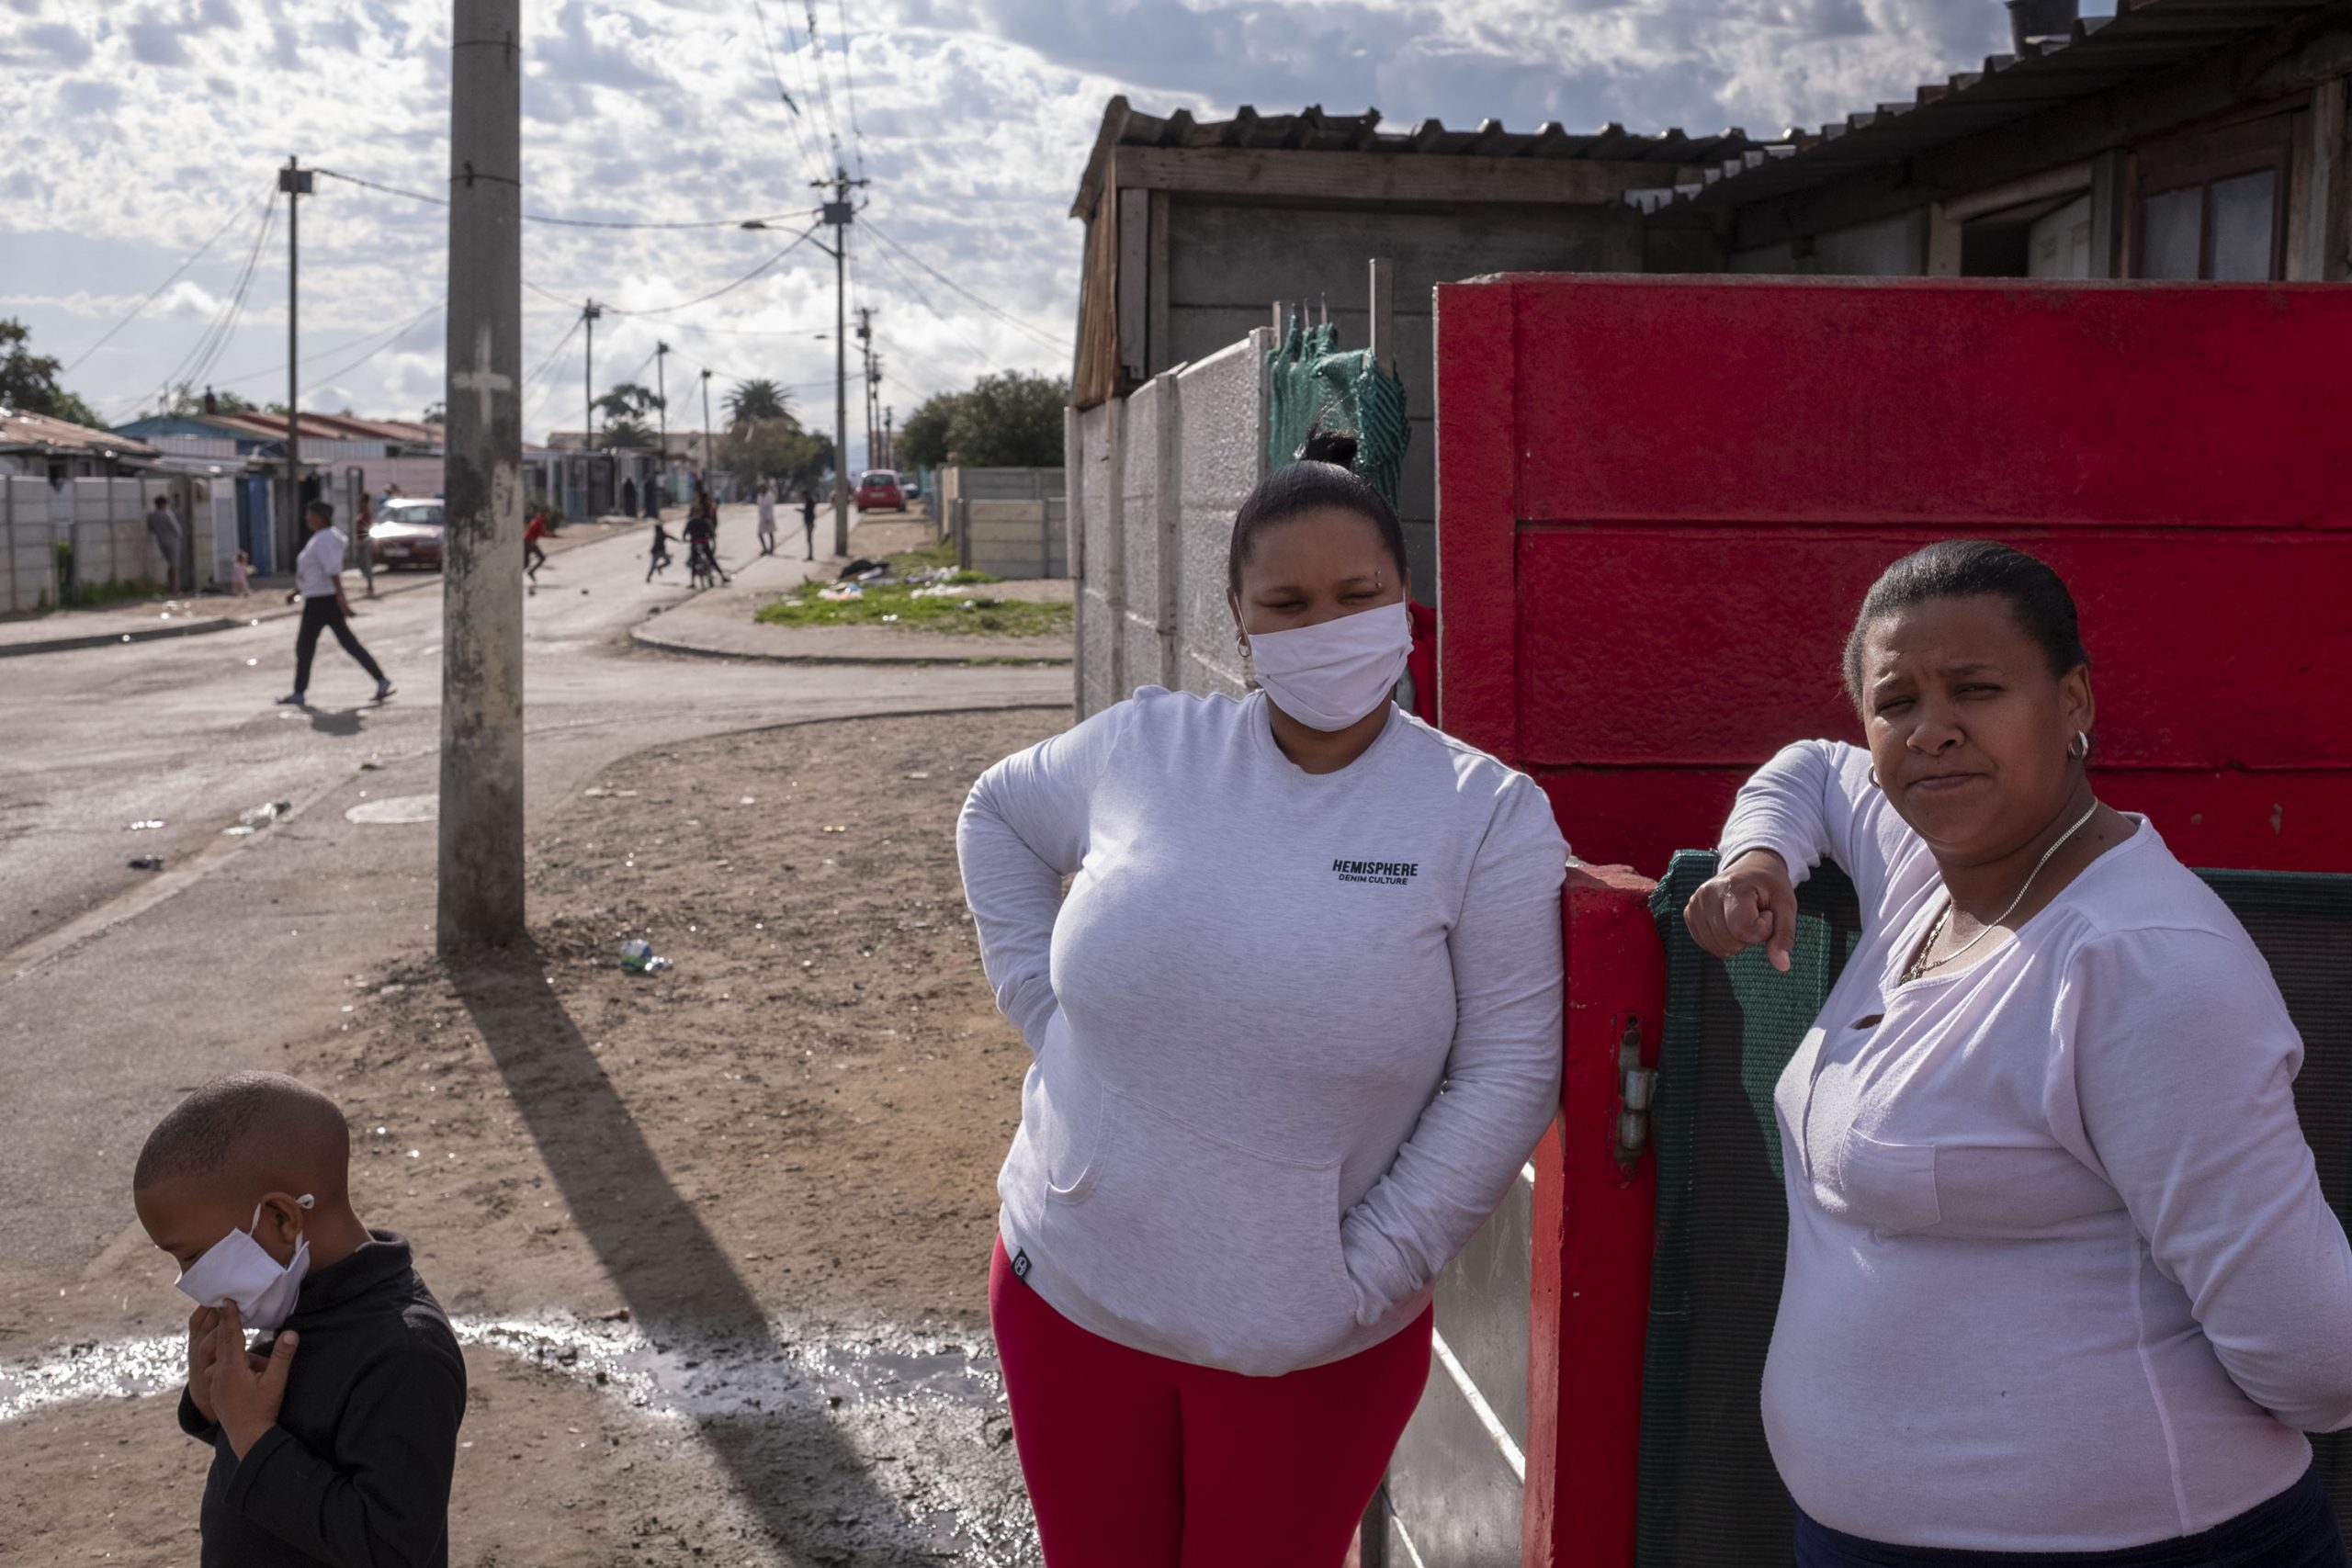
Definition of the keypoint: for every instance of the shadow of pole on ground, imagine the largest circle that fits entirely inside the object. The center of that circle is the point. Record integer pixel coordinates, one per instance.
(792, 1466)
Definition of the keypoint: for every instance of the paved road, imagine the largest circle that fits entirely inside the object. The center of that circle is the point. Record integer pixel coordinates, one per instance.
(118, 987)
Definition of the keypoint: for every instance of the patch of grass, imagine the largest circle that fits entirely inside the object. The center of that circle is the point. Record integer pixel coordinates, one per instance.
(972, 613)
(92, 595)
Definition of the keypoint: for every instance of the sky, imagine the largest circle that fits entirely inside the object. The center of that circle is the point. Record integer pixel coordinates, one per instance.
(132, 132)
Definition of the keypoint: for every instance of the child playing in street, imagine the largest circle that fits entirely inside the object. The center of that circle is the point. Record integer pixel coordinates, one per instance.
(534, 557)
(335, 1437)
(241, 576)
(660, 550)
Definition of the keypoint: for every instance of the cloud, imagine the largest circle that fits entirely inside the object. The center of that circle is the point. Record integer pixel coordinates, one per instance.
(155, 42)
(187, 301)
(972, 117)
(89, 97)
(62, 42)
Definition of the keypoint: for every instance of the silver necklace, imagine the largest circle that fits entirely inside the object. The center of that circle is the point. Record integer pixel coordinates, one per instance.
(1923, 963)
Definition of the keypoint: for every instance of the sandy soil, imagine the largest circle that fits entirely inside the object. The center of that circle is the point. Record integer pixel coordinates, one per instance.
(718, 1234)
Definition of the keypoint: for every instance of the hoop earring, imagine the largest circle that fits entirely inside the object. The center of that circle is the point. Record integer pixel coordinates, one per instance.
(2081, 748)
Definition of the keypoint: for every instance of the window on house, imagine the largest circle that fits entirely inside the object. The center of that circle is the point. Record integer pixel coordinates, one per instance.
(2221, 225)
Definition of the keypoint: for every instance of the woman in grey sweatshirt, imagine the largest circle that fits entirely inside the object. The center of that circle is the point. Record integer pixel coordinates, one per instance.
(1296, 1027)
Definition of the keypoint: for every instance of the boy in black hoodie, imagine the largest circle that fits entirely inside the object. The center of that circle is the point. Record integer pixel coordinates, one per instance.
(333, 1440)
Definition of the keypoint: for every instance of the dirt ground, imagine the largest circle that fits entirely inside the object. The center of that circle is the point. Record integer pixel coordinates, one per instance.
(716, 1236)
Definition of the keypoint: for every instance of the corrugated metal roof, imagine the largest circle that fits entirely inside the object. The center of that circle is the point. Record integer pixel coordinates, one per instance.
(37, 431)
(1313, 130)
(2144, 36)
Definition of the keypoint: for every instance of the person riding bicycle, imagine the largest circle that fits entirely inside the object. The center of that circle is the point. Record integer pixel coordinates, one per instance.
(702, 537)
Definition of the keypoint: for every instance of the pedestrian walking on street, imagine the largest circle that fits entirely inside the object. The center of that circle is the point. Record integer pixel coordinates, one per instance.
(241, 576)
(534, 557)
(766, 502)
(318, 582)
(808, 520)
(660, 557)
(164, 527)
(363, 525)
(1296, 916)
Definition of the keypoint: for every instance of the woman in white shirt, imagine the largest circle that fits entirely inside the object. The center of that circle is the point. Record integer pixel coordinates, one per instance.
(2061, 1280)
(1296, 1027)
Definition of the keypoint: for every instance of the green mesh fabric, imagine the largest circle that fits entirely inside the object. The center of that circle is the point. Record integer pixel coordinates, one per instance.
(1313, 385)
(1708, 1492)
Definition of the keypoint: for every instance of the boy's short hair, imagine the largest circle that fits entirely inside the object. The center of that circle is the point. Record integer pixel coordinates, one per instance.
(265, 1121)
(323, 508)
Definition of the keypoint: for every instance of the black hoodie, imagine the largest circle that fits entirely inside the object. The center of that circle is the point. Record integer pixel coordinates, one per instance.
(356, 1473)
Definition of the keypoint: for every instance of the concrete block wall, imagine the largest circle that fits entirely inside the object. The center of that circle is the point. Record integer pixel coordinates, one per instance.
(28, 544)
(1154, 481)
(1016, 538)
(105, 521)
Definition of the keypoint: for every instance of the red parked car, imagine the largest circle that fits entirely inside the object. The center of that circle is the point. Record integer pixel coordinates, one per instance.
(877, 491)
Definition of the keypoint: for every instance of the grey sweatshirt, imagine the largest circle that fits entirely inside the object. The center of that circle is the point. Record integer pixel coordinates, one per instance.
(1295, 1033)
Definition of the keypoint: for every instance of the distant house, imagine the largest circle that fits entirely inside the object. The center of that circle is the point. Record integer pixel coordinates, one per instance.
(2177, 140)
(342, 456)
(56, 450)
(1195, 228)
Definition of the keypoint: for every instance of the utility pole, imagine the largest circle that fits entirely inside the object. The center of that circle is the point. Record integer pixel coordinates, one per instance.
(591, 313)
(480, 883)
(296, 182)
(866, 352)
(889, 439)
(662, 407)
(839, 214)
(707, 449)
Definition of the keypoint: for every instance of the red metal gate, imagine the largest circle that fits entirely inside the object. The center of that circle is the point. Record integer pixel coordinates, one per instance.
(1659, 502)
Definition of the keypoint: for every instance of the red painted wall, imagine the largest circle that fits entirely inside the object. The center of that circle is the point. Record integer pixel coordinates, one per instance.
(1659, 502)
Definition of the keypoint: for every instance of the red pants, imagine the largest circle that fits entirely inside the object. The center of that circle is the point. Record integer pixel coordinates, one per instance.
(1138, 1462)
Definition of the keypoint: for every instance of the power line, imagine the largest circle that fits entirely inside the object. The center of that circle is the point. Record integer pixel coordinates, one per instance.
(799, 130)
(700, 299)
(566, 222)
(397, 333)
(945, 319)
(206, 351)
(1003, 315)
(824, 82)
(197, 255)
(849, 90)
(317, 354)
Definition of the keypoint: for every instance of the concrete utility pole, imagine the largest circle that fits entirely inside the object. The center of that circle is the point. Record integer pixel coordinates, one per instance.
(708, 449)
(839, 214)
(662, 407)
(296, 182)
(590, 313)
(866, 352)
(481, 867)
(890, 438)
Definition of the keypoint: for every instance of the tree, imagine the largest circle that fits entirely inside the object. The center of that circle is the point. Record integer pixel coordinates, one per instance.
(778, 450)
(437, 413)
(755, 400)
(623, 430)
(28, 380)
(628, 402)
(1010, 420)
(922, 440)
(187, 400)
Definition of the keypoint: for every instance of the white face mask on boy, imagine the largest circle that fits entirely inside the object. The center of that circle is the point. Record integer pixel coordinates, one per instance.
(1329, 675)
(239, 1269)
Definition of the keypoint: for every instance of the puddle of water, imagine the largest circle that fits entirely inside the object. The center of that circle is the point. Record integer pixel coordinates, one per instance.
(396, 808)
(925, 1413)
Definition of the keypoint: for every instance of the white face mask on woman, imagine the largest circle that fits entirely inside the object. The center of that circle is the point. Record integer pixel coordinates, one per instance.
(1329, 675)
(239, 1269)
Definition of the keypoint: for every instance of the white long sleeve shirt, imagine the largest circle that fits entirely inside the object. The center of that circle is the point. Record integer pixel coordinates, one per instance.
(2060, 1275)
(1296, 1033)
